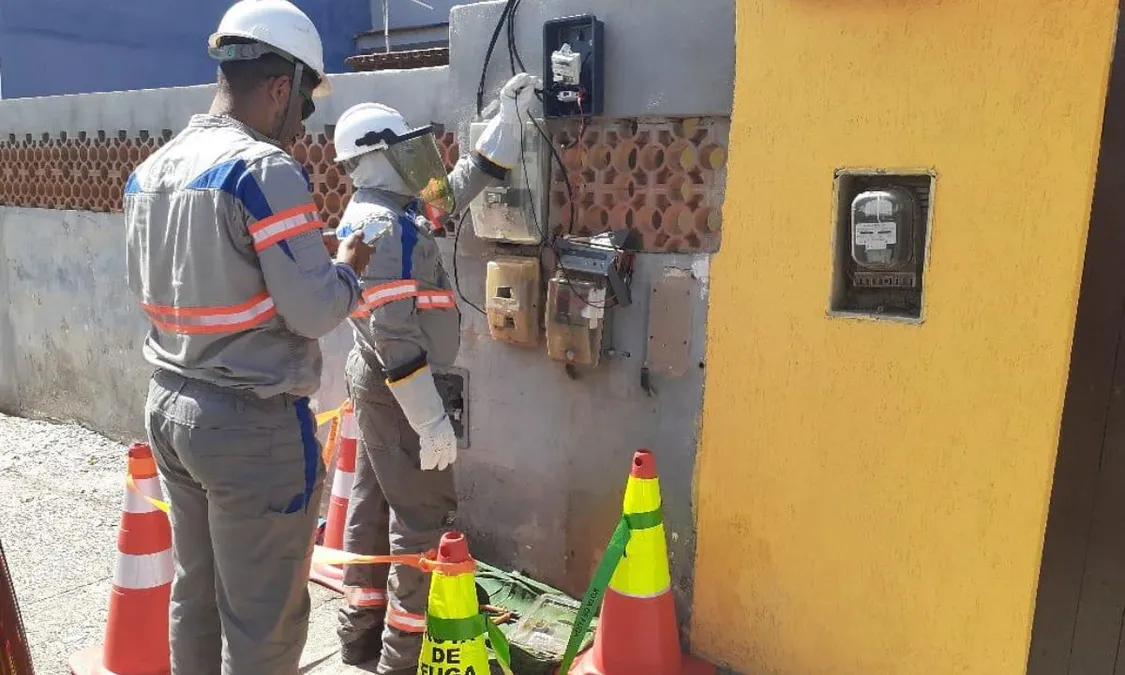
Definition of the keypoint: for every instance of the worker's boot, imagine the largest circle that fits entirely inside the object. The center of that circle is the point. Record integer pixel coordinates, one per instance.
(360, 647)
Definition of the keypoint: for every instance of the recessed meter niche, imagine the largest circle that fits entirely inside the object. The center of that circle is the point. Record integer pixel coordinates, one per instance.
(882, 223)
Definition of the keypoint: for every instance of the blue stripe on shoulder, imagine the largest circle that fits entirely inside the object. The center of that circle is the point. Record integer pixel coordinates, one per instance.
(132, 186)
(409, 241)
(233, 178)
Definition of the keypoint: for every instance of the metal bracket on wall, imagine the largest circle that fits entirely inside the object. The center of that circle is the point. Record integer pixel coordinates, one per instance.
(453, 387)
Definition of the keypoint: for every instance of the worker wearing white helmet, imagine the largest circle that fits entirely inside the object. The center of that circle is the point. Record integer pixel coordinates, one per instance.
(226, 258)
(403, 496)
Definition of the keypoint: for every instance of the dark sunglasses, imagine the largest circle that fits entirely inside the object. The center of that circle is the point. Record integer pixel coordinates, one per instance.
(307, 105)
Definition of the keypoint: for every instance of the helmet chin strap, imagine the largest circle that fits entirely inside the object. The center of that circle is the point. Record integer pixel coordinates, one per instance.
(294, 93)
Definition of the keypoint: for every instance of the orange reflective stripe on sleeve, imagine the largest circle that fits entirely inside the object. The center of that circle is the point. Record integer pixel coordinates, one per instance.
(436, 300)
(377, 296)
(382, 294)
(201, 320)
(268, 231)
(405, 621)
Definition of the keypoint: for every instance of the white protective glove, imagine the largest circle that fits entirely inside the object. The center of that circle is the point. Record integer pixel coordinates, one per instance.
(499, 143)
(418, 397)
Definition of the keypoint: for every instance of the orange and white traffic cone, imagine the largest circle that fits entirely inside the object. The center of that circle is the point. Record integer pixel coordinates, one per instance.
(637, 632)
(332, 576)
(136, 636)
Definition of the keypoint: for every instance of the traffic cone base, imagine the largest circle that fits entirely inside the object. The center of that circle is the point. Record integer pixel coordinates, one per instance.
(136, 636)
(89, 662)
(645, 641)
(637, 630)
(332, 576)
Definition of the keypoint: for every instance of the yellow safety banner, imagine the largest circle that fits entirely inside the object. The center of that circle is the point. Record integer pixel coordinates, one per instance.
(336, 417)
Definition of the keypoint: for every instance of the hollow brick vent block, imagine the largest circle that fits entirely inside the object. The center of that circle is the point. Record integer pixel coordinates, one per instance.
(660, 178)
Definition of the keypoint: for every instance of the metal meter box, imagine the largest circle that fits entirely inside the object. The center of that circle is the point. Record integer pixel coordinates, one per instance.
(574, 66)
(575, 318)
(515, 211)
(512, 301)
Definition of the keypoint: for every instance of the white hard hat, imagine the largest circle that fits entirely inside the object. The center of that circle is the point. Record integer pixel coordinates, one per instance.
(281, 25)
(366, 118)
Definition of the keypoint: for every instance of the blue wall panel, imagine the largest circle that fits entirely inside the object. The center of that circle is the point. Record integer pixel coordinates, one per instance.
(79, 46)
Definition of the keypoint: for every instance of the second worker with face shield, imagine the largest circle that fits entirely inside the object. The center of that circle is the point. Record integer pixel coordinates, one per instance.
(403, 497)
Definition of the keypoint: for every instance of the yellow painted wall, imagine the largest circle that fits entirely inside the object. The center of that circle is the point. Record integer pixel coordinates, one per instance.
(872, 496)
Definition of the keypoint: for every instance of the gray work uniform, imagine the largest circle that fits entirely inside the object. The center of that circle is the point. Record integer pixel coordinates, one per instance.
(226, 258)
(408, 318)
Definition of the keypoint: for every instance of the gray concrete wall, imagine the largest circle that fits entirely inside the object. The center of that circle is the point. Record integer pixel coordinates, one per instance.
(541, 483)
(73, 343)
(421, 95)
(663, 57)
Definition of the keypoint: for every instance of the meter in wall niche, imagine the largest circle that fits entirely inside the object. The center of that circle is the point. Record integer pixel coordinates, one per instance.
(885, 225)
(512, 302)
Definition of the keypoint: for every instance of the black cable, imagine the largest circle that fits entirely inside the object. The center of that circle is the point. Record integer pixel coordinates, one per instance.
(552, 240)
(488, 54)
(513, 51)
(562, 169)
(508, 14)
(456, 276)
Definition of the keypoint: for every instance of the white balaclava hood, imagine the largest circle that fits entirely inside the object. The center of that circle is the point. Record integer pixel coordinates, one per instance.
(373, 170)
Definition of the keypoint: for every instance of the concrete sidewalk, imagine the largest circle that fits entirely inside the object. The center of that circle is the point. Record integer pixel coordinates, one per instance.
(61, 489)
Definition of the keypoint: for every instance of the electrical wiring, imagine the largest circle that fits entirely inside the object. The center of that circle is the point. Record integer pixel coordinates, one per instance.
(546, 238)
(488, 54)
(551, 240)
(513, 51)
(456, 276)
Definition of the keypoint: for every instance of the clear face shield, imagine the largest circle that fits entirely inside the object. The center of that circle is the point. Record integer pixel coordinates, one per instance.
(417, 160)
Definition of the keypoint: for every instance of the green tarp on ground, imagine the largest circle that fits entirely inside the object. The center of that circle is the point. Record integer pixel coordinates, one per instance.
(543, 618)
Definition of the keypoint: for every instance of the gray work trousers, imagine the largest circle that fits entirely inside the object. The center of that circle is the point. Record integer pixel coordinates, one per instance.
(395, 507)
(243, 478)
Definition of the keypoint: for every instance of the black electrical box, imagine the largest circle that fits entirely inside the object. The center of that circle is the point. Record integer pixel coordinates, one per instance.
(573, 66)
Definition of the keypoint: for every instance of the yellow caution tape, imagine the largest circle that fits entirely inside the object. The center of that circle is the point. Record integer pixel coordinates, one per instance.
(336, 418)
(131, 483)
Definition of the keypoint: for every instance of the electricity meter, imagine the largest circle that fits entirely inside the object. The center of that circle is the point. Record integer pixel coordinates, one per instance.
(575, 316)
(593, 275)
(885, 226)
(512, 303)
(514, 211)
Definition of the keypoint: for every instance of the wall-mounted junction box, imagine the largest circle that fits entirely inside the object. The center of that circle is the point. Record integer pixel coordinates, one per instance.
(573, 66)
(882, 230)
(593, 274)
(575, 318)
(512, 300)
(515, 211)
